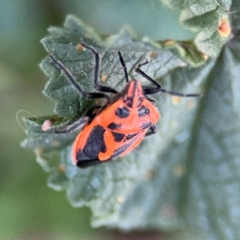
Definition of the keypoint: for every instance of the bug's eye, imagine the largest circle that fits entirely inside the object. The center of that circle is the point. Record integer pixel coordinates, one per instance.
(143, 111)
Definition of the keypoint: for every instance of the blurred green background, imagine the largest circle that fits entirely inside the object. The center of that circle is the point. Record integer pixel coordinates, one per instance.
(28, 209)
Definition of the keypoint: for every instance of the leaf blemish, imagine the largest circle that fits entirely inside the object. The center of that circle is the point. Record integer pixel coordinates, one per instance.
(120, 199)
(61, 168)
(224, 28)
(47, 125)
(169, 211)
(191, 104)
(179, 170)
(79, 47)
(104, 78)
(175, 100)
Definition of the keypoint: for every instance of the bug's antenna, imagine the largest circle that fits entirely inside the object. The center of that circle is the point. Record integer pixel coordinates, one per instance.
(124, 66)
(158, 90)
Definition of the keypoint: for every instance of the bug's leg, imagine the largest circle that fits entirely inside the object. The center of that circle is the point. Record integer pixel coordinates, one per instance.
(152, 130)
(142, 64)
(79, 123)
(71, 79)
(151, 100)
(96, 71)
(124, 66)
(158, 88)
(138, 70)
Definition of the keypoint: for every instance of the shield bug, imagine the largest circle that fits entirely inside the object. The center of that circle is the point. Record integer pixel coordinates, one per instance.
(117, 127)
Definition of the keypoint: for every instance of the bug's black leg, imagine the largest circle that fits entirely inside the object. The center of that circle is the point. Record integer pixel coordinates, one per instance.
(79, 123)
(124, 66)
(152, 130)
(138, 70)
(96, 72)
(70, 78)
(73, 127)
(158, 88)
(152, 101)
(142, 64)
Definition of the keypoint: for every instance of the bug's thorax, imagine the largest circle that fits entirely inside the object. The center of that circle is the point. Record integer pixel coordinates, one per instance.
(132, 95)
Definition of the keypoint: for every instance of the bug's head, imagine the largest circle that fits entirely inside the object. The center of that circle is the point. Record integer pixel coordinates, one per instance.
(132, 94)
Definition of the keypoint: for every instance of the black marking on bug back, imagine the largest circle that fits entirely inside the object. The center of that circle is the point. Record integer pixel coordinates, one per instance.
(146, 125)
(143, 111)
(129, 102)
(123, 112)
(114, 126)
(94, 145)
(118, 137)
(130, 136)
(88, 163)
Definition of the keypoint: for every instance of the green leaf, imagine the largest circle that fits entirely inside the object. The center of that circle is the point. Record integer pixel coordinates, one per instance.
(45, 141)
(183, 178)
(205, 17)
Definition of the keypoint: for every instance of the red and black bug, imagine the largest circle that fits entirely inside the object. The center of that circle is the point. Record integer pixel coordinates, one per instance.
(117, 127)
